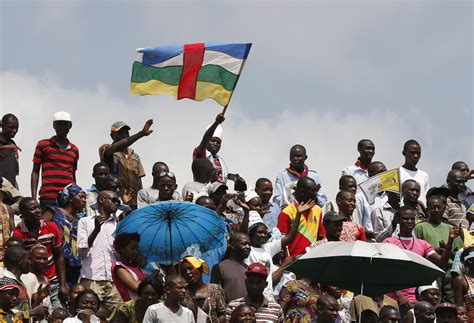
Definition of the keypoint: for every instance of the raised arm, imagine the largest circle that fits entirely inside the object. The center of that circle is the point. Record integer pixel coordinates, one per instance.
(35, 180)
(208, 134)
(442, 260)
(126, 142)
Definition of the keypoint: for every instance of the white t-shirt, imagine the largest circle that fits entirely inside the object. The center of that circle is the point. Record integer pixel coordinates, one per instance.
(264, 256)
(160, 313)
(420, 176)
(75, 319)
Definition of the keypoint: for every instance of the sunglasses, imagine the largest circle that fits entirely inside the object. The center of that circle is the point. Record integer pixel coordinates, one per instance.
(169, 174)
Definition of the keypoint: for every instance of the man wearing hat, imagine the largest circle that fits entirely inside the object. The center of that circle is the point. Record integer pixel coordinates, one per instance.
(9, 291)
(332, 222)
(265, 310)
(57, 159)
(122, 160)
(209, 147)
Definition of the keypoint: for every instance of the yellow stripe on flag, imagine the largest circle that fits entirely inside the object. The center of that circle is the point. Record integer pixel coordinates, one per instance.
(389, 181)
(205, 90)
(153, 87)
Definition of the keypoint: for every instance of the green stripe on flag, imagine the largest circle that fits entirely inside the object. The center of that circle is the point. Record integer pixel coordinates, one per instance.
(219, 75)
(143, 73)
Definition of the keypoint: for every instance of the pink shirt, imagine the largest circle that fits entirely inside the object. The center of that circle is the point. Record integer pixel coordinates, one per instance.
(418, 246)
(136, 273)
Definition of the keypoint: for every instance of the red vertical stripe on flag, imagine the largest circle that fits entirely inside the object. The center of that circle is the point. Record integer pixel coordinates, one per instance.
(192, 61)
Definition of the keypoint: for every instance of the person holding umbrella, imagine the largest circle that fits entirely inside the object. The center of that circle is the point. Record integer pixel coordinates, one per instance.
(201, 298)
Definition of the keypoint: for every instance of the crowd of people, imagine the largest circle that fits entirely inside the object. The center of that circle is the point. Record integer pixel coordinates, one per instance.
(61, 260)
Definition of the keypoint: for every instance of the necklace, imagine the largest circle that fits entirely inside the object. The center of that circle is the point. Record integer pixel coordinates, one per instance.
(405, 247)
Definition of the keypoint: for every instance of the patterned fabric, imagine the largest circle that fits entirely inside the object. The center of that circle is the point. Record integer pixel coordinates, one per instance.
(4, 228)
(23, 305)
(10, 317)
(301, 302)
(214, 305)
(308, 231)
(68, 192)
(130, 311)
(351, 231)
(69, 236)
(469, 298)
(58, 167)
(136, 273)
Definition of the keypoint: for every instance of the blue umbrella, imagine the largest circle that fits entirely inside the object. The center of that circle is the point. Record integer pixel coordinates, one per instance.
(168, 230)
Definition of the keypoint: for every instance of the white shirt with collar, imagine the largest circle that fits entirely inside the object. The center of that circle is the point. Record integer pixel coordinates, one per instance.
(97, 260)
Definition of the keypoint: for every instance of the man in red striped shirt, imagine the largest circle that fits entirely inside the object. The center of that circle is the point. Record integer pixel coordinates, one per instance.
(57, 158)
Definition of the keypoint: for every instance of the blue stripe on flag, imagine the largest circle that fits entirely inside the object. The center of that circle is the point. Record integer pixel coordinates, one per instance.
(156, 55)
(240, 51)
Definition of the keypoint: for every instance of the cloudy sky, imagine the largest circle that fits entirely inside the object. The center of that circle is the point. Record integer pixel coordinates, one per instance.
(323, 74)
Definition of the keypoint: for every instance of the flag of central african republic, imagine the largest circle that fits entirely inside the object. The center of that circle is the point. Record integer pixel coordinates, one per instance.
(194, 71)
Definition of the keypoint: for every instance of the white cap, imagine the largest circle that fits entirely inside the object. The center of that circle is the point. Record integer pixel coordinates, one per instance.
(62, 116)
(218, 132)
(250, 194)
(255, 218)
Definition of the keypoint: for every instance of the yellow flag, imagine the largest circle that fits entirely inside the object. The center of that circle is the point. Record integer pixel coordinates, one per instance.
(386, 181)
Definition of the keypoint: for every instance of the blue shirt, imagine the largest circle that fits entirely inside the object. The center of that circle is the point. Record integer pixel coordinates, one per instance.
(68, 226)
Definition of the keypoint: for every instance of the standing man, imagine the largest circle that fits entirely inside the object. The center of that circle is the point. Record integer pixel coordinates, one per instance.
(410, 194)
(94, 245)
(271, 211)
(9, 151)
(203, 173)
(455, 211)
(100, 173)
(57, 159)
(359, 170)
(209, 147)
(466, 196)
(288, 177)
(382, 217)
(310, 227)
(32, 230)
(412, 153)
(122, 160)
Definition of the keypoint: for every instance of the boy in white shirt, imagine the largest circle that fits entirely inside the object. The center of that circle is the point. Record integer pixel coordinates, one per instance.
(412, 153)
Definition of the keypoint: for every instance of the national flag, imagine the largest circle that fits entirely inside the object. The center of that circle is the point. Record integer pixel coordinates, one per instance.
(194, 71)
(386, 181)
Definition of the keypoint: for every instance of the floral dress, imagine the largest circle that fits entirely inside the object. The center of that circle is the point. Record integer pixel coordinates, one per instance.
(214, 305)
(301, 299)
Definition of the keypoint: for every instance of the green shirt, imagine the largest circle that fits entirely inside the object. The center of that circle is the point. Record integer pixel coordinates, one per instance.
(433, 234)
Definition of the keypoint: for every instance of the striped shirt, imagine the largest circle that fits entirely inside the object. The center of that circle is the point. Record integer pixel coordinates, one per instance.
(455, 212)
(268, 312)
(58, 167)
(49, 236)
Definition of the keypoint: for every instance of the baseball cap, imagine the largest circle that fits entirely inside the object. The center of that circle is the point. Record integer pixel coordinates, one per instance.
(333, 217)
(117, 125)
(62, 116)
(258, 269)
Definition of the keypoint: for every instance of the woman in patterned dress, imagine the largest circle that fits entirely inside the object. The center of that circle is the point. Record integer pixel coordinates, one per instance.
(463, 285)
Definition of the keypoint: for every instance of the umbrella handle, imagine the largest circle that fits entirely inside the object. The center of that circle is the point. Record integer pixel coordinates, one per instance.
(362, 293)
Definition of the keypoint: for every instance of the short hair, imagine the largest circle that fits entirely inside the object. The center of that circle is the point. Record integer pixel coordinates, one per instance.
(384, 310)
(261, 181)
(408, 181)
(170, 280)
(24, 202)
(361, 142)
(156, 282)
(100, 164)
(87, 292)
(457, 165)
(298, 146)
(436, 197)
(15, 239)
(342, 192)
(200, 199)
(304, 181)
(111, 179)
(374, 164)
(234, 318)
(12, 254)
(123, 239)
(324, 300)
(345, 178)
(7, 117)
(160, 163)
(410, 142)
(404, 208)
(235, 236)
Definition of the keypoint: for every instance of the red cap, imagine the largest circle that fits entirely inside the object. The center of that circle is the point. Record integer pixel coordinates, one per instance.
(257, 269)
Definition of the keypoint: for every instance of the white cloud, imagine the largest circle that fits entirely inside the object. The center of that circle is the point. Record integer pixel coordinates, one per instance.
(252, 147)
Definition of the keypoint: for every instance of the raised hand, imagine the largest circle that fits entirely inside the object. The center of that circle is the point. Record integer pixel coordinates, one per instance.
(146, 128)
(220, 118)
(301, 208)
(189, 197)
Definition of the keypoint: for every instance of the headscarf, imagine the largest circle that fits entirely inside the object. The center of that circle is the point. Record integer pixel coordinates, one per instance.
(68, 193)
(197, 263)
